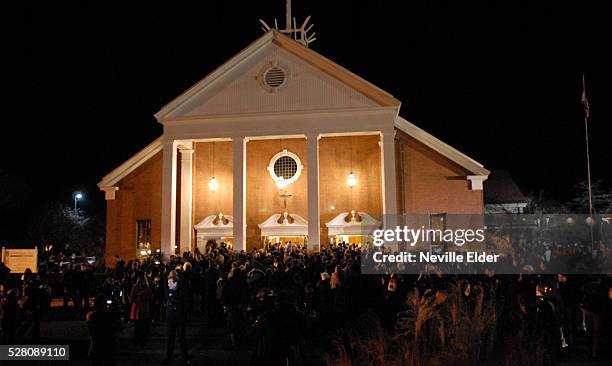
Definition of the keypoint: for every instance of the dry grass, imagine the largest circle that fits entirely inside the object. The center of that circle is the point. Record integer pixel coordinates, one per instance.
(440, 328)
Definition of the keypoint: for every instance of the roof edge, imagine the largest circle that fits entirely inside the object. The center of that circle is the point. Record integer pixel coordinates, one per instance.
(335, 70)
(441, 147)
(131, 164)
(214, 75)
(315, 59)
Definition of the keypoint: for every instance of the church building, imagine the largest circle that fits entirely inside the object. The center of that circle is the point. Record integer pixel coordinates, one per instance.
(280, 144)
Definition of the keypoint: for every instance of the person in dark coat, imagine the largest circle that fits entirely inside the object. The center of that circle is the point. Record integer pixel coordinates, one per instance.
(140, 313)
(32, 304)
(211, 276)
(280, 334)
(235, 298)
(9, 310)
(103, 325)
(159, 296)
(176, 316)
(87, 286)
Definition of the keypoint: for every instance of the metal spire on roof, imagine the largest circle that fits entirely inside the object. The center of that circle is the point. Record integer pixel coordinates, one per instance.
(298, 34)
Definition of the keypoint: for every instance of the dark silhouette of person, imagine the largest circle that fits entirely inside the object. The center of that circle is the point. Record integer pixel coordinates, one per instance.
(176, 316)
(103, 324)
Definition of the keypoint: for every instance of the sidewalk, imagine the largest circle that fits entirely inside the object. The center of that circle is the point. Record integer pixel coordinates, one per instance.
(209, 346)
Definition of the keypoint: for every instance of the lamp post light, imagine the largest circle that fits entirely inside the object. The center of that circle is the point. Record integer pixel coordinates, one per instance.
(77, 197)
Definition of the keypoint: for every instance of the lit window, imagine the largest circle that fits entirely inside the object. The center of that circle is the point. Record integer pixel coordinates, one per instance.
(143, 238)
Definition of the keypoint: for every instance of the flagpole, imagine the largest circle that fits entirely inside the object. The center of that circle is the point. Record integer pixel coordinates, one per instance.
(587, 113)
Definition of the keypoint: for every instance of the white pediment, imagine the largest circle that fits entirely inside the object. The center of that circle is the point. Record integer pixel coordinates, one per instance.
(339, 226)
(271, 227)
(210, 228)
(311, 83)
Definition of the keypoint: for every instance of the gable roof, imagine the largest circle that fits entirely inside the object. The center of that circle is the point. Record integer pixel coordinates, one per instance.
(304, 53)
(441, 147)
(320, 62)
(501, 188)
(131, 164)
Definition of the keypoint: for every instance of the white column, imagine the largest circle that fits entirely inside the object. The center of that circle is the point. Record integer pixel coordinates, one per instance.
(186, 231)
(168, 220)
(239, 193)
(389, 184)
(314, 220)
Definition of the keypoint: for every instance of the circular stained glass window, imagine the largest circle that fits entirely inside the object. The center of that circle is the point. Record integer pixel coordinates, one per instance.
(285, 167)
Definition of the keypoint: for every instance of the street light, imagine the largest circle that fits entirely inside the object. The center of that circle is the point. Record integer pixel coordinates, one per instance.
(77, 197)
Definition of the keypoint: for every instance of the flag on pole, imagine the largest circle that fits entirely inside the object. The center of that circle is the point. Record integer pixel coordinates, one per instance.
(584, 100)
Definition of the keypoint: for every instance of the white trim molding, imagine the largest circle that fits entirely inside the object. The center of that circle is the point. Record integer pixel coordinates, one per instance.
(437, 145)
(286, 181)
(207, 229)
(271, 227)
(212, 80)
(131, 164)
(476, 181)
(338, 225)
(109, 192)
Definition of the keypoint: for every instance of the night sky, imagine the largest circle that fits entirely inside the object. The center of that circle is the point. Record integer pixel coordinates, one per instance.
(500, 82)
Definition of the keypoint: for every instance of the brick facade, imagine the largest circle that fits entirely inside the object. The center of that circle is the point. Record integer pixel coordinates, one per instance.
(138, 198)
(337, 156)
(262, 194)
(205, 202)
(430, 183)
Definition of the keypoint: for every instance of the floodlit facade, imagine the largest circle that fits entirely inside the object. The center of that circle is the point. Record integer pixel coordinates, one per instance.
(281, 144)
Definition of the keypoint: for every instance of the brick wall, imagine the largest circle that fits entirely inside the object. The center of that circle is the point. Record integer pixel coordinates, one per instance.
(205, 202)
(138, 198)
(433, 183)
(262, 194)
(336, 156)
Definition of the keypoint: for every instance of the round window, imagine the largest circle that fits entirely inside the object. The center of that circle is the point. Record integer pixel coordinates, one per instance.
(285, 167)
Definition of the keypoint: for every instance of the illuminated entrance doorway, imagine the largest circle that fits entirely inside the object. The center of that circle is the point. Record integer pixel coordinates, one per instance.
(214, 229)
(355, 227)
(284, 228)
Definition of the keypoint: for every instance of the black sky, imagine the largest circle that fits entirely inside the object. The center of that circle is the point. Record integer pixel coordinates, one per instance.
(500, 81)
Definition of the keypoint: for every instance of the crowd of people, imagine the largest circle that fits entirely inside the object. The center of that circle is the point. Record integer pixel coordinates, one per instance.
(287, 298)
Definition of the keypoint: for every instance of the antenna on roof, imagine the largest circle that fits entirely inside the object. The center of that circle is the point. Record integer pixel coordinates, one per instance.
(291, 29)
